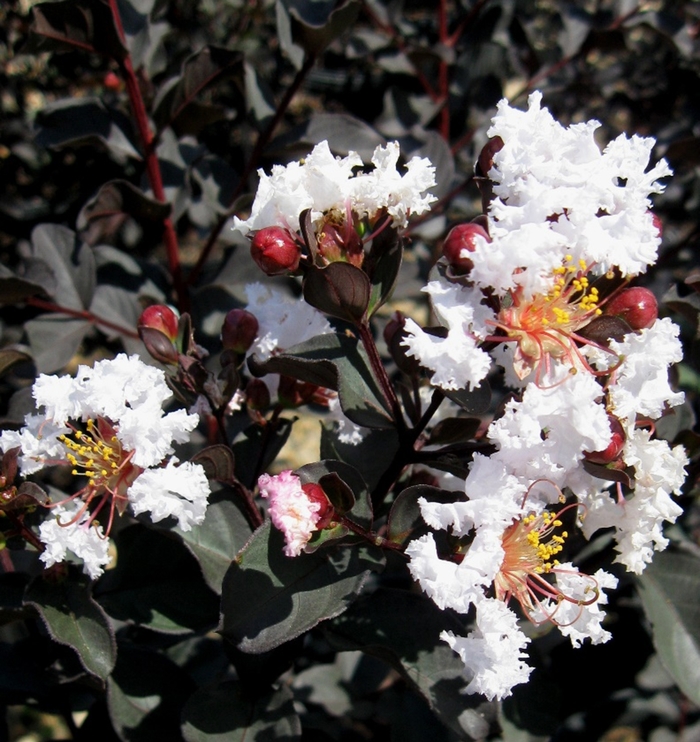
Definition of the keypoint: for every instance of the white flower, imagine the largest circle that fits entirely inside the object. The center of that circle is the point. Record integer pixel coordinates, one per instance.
(638, 520)
(82, 538)
(324, 183)
(107, 423)
(641, 382)
(493, 655)
(175, 490)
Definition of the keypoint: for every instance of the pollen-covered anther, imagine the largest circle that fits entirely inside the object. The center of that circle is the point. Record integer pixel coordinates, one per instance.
(530, 548)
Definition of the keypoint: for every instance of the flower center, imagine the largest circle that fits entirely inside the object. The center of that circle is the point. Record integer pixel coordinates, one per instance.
(97, 454)
(544, 327)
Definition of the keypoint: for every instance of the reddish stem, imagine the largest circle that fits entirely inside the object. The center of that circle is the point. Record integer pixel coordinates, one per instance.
(443, 78)
(153, 171)
(80, 314)
(252, 164)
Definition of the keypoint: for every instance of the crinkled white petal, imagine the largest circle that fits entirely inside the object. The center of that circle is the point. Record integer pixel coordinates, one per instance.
(87, 542)
(641, 384)
(579, 622)
(558, 194)
(175, 490)
(347, 431)
(493, 654)
(282, 320)
(324, 183)
(38, 441)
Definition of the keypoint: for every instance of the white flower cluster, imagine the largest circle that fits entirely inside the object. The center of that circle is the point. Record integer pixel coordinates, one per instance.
(564, 214)
(108, 424)
(324, 183)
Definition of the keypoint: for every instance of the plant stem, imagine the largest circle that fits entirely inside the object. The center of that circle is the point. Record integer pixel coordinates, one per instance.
(33, 301)
(381, 375)
(252, 164)
(155, 177)
(370, 536)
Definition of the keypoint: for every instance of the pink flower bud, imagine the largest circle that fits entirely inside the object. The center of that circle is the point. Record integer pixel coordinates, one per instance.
(239, 330)
(459, 240)
(636, 305)
(275, 250)
(162, 318)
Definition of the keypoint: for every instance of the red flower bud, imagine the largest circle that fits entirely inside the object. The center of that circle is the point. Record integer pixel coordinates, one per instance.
(459, 239)
(111, 81)
(275, 250)
(315, 493)
(161, 318)
(614, 449)
(239, 330)
(636, 305)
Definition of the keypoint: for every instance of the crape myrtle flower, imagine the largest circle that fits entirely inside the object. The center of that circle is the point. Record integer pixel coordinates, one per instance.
(564, 215)
(296, 509)
(107, 423)
(335, 185)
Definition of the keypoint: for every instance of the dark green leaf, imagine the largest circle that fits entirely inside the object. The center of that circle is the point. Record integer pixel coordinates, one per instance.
(258, 448)
(74, 619)
(54, 340)
(157, 583)
(377, 624)
(85, 121)
(217, 540)
(217, 461)
(71, 263)
(10, 357)
(340, 290)
(382, 265)
(454, 430)
(84, 25)
(335, 362)
(405, 516)
(14, 289)
(474, 401)
(145, 696)
(226, 713)
(315, 24)
(112, 205)
(269, 598)
(670, 592)
(203, 69)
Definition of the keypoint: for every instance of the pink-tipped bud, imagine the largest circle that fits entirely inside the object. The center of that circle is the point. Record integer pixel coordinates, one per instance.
(460, 241)
(275, 250)
(614, 448)
(239, 330)
(485, 161)
(161, 318)
(636, 305)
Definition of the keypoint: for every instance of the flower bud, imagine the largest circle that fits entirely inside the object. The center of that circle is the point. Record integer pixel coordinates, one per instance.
(326, 512)
(614, 448)
(275, 250)
(636, 305)
(239, 330)
(340, 243)
(459, 240)
(162, 318)
(111, 81)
